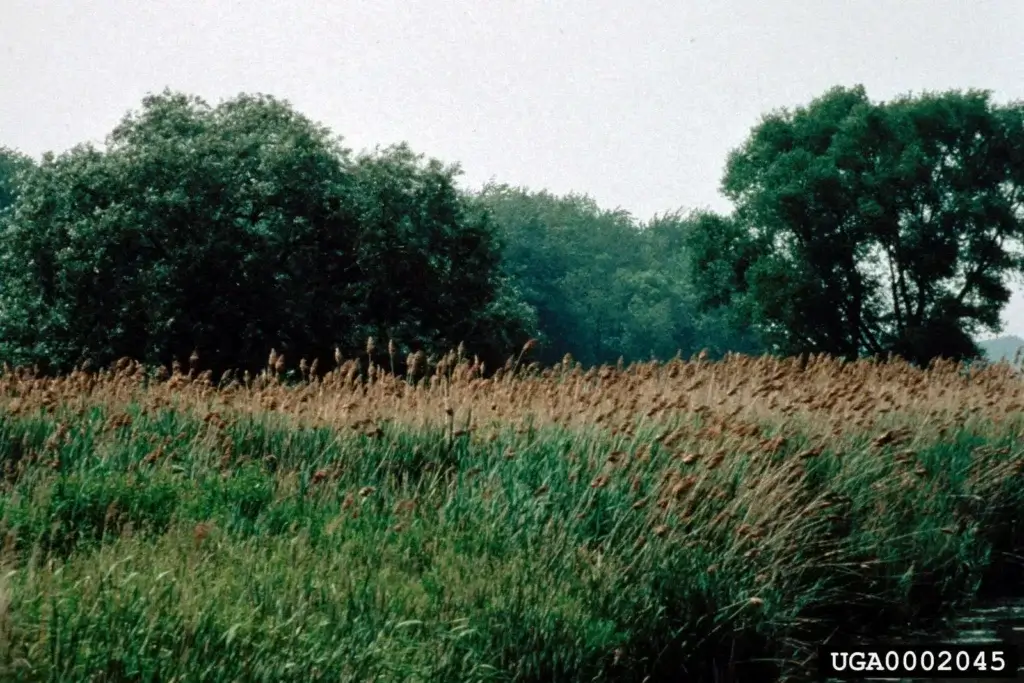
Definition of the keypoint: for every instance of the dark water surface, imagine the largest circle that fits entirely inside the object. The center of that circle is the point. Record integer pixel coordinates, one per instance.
(999, 621)
(990, 622)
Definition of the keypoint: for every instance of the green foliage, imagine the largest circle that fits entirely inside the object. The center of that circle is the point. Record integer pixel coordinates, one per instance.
(860, 228)
(866, 228)
(125, 566)
(13, 167)
(602, 285)
(563, 253)
(427, 270)
(668, 268)
(237, 228)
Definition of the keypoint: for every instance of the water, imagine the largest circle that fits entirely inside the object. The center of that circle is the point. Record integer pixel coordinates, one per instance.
(1001, 621)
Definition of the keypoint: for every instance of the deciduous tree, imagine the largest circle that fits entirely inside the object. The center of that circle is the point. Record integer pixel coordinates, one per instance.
(236, 228)
(871, 228)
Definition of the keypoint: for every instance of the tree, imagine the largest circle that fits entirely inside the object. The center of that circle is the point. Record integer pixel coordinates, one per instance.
(428, 267)
(13, 167)
(871, 228)
(574, 263)
(603, 285)
(230, 230)
(688, 324)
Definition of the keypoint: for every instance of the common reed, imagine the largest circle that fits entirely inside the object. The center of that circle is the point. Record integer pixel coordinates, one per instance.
(686, 520)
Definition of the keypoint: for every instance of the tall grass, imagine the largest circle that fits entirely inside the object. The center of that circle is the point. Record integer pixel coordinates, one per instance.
(689, 520)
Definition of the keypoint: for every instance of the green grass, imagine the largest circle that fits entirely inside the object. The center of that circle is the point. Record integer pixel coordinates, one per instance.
(164, 547)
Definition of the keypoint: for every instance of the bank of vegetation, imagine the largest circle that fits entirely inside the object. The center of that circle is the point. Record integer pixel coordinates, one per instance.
(858, 229)
(545, 503)
(657, 522)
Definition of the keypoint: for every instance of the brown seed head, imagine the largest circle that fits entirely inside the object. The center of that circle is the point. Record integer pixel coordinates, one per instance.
(200, 532)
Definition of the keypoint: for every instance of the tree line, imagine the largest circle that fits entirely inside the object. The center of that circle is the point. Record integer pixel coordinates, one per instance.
(858, 228)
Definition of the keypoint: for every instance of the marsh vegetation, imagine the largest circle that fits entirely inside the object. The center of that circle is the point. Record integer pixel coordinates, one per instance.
(672, 521)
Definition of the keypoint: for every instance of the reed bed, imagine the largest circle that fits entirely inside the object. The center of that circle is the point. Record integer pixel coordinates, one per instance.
(690, 520)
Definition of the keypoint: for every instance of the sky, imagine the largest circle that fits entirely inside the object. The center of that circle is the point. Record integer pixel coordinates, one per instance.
(635, 103)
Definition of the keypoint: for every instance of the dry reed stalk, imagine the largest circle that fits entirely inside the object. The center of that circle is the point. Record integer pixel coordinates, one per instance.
(828, 399)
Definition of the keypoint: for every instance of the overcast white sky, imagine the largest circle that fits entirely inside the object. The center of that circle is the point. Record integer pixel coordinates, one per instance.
(634, 102)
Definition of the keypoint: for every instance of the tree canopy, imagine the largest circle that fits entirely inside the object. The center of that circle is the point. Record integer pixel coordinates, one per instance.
(868, 228)
(604, 285)
(859, 228)
(233, 229)
(13, 167)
